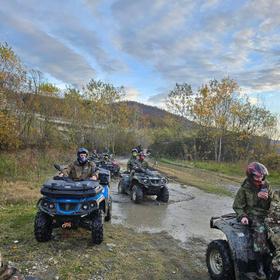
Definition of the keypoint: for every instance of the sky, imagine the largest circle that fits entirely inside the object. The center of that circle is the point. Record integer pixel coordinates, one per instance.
(148, 46)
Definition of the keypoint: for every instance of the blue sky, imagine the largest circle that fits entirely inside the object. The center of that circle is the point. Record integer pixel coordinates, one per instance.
(149, 45)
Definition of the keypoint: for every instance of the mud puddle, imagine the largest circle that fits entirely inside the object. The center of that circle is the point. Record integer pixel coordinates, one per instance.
(185, 217)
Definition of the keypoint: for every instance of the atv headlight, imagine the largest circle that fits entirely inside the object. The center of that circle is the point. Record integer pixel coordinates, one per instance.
(45, 204)
(163, 181)
(93, 204)
(85, 207)
(146, 181)
(51, 205)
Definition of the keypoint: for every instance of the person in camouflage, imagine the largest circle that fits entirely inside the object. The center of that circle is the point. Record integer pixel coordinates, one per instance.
(8, 272)
(141, 162)
(80, 169)
(105, 158)
(273, 225)
(132, 161)
(251, 204)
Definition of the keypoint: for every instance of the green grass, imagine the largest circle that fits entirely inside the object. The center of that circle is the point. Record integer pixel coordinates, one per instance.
(30, 165)
(234, 171)
(207, 181)
(71, 255)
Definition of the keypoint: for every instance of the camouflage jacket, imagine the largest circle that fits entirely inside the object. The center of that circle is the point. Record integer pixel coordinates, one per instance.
(141, 164)
(132, 161)
(76, 171)
(248, 204)
(273, 218)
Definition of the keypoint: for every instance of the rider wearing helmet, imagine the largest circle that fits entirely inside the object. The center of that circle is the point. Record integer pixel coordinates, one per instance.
(251, 205)
(81, 168)
(142, 162)
(106, 158)
(133, 159)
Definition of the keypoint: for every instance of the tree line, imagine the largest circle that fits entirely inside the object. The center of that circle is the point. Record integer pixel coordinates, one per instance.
(225, 125)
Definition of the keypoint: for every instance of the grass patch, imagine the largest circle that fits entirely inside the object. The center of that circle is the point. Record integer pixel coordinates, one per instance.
(206, 180)
(233, 171)
(31, 164)
(124, 254)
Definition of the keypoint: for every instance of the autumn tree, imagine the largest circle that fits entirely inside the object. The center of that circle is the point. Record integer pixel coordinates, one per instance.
(213, 109)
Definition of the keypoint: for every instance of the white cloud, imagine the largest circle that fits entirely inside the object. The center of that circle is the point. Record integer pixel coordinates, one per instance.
(132, 94)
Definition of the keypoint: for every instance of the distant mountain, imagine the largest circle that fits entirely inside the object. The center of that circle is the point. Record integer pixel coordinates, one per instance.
(154, 113)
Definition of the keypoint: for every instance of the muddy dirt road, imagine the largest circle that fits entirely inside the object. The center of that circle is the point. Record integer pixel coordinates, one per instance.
(186, 215)
(185, 218)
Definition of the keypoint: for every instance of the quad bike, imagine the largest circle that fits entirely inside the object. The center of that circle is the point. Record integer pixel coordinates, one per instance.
(112, 165)
(233, 259)
(72, 204)
(140, 183)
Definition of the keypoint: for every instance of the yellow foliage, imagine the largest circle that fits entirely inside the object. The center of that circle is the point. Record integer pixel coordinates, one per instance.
(8, 131)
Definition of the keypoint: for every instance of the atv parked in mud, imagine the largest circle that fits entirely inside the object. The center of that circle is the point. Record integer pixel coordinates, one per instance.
(233, 259)
(145, 182)
(72, 204)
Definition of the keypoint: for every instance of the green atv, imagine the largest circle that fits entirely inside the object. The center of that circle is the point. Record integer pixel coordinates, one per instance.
(142, 182)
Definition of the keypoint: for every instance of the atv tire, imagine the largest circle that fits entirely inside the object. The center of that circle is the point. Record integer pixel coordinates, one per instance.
(219, 261)
(163, 195)
(121, 188)
(97, 228)
(109, 211)
(136, 194)
(43, 227)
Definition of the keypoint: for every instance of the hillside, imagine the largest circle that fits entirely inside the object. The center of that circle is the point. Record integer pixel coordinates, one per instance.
(153, 115)
(152, 112)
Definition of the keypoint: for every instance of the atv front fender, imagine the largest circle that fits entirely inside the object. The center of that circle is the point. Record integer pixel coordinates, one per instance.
(240, 243)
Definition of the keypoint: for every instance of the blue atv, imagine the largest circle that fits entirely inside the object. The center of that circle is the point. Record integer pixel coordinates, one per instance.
(72, 204)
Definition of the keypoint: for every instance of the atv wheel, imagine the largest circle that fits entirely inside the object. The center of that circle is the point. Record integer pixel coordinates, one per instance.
(109, 211)
(43, 227)
(120, 187)
(97, 228)
(219, 262)
(137, 194)
(163, 195)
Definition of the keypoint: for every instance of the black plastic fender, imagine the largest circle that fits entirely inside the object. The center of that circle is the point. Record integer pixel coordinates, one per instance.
(240, 243)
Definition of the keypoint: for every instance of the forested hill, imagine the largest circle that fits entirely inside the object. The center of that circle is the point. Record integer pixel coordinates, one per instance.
(155, 113)
(154, 116)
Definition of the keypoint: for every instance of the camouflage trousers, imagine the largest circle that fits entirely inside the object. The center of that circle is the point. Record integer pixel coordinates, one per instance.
(274, 236)
(259, 234)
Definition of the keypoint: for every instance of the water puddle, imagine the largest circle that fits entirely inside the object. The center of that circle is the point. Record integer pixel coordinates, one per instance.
(185, 216)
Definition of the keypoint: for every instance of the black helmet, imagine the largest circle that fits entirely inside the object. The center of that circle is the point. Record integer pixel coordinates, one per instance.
(106, 156)
(256, 172)
(80, 159)
(82, 151)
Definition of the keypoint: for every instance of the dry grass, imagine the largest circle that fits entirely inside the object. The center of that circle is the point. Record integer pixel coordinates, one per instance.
(18, 192)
